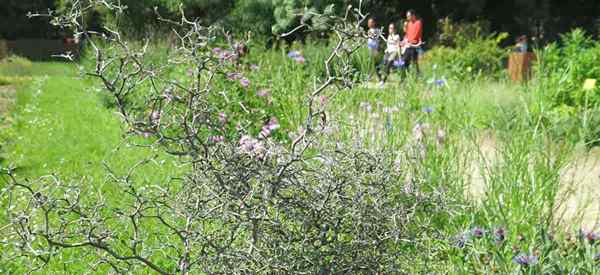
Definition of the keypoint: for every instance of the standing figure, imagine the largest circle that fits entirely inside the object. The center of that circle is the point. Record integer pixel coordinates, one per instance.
(374, 36)
(413, 40)
(392, 53)
(521, 46)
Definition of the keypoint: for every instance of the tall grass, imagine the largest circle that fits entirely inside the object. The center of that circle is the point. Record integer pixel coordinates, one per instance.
(434, 127)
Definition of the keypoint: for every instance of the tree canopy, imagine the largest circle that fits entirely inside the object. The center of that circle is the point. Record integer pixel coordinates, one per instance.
(542, 18)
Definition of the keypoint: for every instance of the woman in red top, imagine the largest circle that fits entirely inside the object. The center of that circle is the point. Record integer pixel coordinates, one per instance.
(413, 38)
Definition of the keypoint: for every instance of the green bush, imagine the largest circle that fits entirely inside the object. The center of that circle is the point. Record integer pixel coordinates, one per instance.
(481, 55)
(466, 50)
(452, 34)
(562, 70)
(567, 64)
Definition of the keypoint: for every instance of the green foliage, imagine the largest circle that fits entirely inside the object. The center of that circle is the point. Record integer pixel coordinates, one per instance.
(567, 67)
(60, 119)
(471, 56)
(562, 70)
(253, 15)
(20, 26)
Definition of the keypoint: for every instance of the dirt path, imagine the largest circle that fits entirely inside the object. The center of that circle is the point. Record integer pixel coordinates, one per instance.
(580, 183)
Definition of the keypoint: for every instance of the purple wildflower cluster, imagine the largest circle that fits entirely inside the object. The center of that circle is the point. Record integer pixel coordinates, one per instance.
(263, 93)
(525, 260)
(442, 82)
(590, 236)
(399, 63)
(255, 146)
(252, 146)
(268, 129)
(297, 56)
(223, 118)
(500, 235)
(477, 233)
(235, 76)
(224, 55)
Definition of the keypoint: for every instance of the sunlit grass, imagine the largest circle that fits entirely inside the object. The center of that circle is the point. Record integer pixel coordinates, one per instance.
(61, 125)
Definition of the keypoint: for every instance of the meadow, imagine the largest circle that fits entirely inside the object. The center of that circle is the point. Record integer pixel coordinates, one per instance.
(512, 168)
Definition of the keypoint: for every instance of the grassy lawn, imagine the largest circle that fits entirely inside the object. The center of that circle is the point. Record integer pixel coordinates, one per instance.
(58, 119)
(56, 123)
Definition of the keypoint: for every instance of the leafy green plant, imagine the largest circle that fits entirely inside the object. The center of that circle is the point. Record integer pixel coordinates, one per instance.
(562, 69)
(467, 50)
(479, 56)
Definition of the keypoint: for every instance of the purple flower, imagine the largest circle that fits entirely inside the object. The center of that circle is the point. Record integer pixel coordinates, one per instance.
(245, 82)
(264, 132)
(217, 50)
(593, 237)
(216, 139)
(399, 63)
(461, 240)
(190, 72)
(428, 110)
(252, 146)
(247, 143)
(590, 236)
(477, 232)
(234, 76)
(300, 59)
(254, 67)
(263, 93)
(525, 260)
(294, 54)
(226, 55)
(271, 126)
(273, 123)
(222, 117)
(500, 235)
(440, 82)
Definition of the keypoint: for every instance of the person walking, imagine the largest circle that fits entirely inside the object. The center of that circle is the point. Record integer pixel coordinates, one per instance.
(413, 40)
(392, 53)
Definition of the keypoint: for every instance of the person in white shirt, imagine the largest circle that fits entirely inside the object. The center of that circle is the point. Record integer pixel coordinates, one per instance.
(392, 53)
